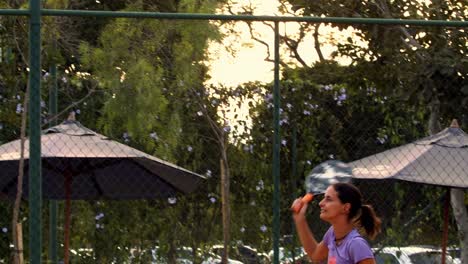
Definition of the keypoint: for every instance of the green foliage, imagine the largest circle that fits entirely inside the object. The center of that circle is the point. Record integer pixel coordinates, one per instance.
(147, 80)
(408, 67)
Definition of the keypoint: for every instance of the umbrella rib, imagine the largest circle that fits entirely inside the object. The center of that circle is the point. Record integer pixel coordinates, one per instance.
(153, 174)
(96, 184)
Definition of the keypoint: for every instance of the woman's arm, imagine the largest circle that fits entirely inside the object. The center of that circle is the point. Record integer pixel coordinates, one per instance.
(316, 251)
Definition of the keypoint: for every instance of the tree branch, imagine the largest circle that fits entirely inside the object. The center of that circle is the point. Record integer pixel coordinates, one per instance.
(64, 111)
(317, 42)
(383, 7)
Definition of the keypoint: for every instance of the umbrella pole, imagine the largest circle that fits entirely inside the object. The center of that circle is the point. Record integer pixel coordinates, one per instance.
(66, 255)
(445, 235)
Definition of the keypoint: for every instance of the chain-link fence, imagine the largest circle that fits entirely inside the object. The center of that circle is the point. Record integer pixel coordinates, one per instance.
(156, 148)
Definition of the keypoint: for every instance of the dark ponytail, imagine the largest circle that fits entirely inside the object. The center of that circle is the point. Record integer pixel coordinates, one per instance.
(369, 221)
(362, 214)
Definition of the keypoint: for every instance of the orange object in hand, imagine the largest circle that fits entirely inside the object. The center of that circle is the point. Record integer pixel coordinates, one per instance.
(305, 199)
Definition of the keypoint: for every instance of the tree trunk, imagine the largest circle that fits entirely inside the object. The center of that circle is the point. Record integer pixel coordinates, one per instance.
(457, 198)
(19, 239)
(17, 254)
(225, 207)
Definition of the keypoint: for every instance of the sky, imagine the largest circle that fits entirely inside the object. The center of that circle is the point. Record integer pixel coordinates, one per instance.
(240, 59)
(248, 62)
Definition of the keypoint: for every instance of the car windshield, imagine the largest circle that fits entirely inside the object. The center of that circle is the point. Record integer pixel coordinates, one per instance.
(429, 258)
(384, 258)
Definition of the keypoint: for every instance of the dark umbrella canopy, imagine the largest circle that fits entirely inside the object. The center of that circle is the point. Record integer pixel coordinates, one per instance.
(440, 159)
(94, 167)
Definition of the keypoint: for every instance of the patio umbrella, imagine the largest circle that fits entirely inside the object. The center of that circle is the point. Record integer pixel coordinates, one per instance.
(80, 164)
(440, 159)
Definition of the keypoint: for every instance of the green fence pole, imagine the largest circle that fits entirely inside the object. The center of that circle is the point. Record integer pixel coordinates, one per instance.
(35, 186)
(276, 152)
(294, 187)
(53, 211)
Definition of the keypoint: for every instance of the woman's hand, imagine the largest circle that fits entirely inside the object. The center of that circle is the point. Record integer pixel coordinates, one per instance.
(300, 215)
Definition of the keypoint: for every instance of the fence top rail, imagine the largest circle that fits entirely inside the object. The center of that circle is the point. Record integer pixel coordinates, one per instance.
(201, 16)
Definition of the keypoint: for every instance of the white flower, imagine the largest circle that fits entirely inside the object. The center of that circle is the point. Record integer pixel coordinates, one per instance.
(382, 139)
(189, 148)
(199, 113)
(253, 203)
(212, 200)
(341, 97)
(99, 216)
(331, 156)
(126, 137)
(154, 136)
(260, 185)
(19, 108)
(306, 112)
(268, 97)
(308, 162)
(289, 106)
(283, 142)
(242, 229)
(4, 230)
(263, 228)
(78, 111)
(172, 200)
(98, 226)
(208, 173)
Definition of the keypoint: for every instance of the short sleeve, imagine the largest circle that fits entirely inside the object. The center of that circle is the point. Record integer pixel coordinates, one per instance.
(359, 250)
(328, 236)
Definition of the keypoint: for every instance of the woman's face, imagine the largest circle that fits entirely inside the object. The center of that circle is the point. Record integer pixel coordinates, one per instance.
(331, 207)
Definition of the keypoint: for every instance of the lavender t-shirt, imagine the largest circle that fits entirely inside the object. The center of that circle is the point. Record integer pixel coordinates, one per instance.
(352, 249)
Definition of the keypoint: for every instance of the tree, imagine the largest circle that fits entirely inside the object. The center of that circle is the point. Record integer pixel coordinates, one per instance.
(150, 71)
(424, 65)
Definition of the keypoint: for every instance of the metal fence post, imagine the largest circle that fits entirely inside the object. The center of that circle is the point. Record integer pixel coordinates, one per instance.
(35, 186)
(276, 152)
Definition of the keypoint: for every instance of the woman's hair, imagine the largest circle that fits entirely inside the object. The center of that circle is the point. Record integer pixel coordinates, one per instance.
(363, 214)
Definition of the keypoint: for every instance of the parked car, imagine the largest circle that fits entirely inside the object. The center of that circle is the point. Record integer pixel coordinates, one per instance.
(286, 256)
(183, 256)
(410, 255)
(455, 253)
(250, 255)
(213, 256)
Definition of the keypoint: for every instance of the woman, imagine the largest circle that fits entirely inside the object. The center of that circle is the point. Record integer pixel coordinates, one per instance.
(342, 244)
